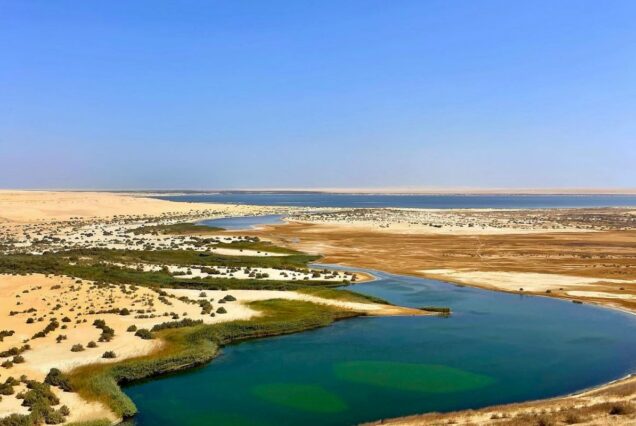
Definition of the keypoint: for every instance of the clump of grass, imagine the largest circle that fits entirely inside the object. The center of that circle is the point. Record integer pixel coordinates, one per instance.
(340, 294)
(176, 229)
(621, 409)
(439, 309)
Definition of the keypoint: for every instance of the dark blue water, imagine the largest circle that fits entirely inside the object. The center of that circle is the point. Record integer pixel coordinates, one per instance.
(243, 222)
(411, 201)
(495, 348)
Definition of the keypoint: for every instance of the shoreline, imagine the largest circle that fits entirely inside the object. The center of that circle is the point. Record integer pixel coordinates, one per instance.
(55, 214)
(602, 392)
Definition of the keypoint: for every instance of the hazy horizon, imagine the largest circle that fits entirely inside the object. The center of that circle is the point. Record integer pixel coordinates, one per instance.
(361, 190)
(283, 94)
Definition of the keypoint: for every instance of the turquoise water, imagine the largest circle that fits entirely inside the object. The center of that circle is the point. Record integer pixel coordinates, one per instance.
(495, 348)
(411, 201)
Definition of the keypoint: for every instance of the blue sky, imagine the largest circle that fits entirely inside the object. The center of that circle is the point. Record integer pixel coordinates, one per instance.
(255, 94)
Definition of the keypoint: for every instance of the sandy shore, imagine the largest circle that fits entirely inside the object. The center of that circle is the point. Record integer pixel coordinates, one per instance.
(597, 266)
(589, 407)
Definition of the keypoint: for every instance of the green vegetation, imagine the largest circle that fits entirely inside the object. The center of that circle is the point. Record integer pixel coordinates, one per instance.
(441, 309)
(56, 378)
(40, 401)
(104, 422)
(96, 265)
(144, 333)
(177, 229)
(192, 346)
(339, 294)
(257, 245)
(186, 322)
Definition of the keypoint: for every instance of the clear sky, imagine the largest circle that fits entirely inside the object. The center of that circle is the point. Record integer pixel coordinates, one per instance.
(262, 93)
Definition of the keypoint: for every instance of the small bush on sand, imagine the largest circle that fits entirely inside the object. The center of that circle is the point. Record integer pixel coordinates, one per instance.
(144, 334)
(77, 348)
(621, 409)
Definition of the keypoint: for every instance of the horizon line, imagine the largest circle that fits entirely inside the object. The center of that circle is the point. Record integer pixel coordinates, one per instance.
(349, 190)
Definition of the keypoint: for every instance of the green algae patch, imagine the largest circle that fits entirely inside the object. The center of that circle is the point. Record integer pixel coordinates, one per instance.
(430, 378)
(301, 397)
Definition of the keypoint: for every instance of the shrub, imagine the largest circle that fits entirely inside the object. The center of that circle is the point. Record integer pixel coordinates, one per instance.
(109, 355)
(221, 310)
(132, 328)
(56, 378)
(573, 418)
(144, 334)
(545, 421)
(186, 322)
(621, 409)
(6, 389)
(77, 348)
(52, 417)
(92, 344)
(39, 394)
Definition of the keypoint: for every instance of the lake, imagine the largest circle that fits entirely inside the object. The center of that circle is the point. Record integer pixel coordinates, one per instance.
(408, 201)
(495, 348)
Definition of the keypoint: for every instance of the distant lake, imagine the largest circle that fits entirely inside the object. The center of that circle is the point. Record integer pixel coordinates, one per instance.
(245, 222)
(410, 201)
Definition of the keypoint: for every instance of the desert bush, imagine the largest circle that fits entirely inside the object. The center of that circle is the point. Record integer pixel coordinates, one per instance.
(144, 334)
(77, 348)
(56, 378)
(621, 409)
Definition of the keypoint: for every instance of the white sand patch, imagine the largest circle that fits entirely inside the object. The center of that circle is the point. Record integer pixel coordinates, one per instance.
(247, 296)
(601, 295)
(512, 281)
(245, 252)
(243, 273)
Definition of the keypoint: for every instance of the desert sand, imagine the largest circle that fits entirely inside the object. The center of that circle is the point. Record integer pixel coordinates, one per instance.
(546, 264)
